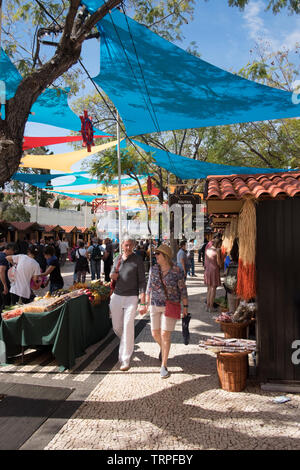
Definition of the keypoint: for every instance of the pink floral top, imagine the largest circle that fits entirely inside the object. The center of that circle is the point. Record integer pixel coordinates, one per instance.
(174, 282)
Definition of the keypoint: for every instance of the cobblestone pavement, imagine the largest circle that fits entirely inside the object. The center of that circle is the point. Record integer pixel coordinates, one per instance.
(137, 410)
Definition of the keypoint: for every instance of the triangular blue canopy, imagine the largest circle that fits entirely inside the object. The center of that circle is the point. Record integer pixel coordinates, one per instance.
(187, 168)
(50, 108)
(157, 86)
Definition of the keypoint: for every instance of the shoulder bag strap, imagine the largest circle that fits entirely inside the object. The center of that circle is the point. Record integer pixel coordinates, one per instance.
(163, 284)
(118, 264)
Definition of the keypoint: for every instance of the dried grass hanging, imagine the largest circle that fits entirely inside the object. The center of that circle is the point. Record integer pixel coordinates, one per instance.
(225, 244)
(246, 284)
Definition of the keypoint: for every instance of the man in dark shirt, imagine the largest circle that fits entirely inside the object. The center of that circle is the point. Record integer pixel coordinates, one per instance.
(56, 280)
(129, 273)
(9, 250)
(108, 259)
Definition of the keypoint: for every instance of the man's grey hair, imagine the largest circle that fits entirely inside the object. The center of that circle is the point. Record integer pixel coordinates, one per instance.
(128, 238)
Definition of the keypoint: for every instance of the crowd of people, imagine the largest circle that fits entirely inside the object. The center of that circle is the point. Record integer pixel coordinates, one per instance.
(29, 265)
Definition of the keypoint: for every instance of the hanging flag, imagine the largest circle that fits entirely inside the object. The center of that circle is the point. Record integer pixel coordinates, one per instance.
(87, 131)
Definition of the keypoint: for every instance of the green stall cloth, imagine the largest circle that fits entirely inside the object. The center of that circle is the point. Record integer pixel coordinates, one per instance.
(70, 328)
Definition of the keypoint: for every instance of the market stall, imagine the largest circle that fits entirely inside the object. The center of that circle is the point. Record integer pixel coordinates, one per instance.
(52, 231)
(70, 321)
(23, 231)
(267, 209)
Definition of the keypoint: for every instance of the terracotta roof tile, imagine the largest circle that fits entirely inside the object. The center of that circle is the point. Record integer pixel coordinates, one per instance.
(49, 228)
(271, 185)
(68, 228)
(21, 225)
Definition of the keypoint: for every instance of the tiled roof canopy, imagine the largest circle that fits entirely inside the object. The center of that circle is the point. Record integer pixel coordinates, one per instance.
(276, 185)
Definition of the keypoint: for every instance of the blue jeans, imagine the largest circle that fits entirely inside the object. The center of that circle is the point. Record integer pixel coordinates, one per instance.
(191, 266)
(54, 287)
(95, 269)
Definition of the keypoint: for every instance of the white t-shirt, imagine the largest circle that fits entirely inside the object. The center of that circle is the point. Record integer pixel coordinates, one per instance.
(81, 251)
(26, 268)
(63, 246)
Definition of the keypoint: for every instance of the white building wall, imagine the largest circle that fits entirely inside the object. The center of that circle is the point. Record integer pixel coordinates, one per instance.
(49, 216)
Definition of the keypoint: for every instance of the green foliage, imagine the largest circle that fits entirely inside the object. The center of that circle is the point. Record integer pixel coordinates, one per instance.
(56, 204)
(276, 6)
(15, 213)
(164, 17)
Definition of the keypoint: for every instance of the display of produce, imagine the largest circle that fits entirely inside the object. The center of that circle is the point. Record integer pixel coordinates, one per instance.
(97, 291)
(224, 317)
(245, 312)
(41, 304)
(231, 345)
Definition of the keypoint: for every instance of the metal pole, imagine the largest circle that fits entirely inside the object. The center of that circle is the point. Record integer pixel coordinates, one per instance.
(85, 214)
(119, 179)
(37, 205)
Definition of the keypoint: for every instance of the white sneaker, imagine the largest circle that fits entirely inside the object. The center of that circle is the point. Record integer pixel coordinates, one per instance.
(164, 373)
(125, 366)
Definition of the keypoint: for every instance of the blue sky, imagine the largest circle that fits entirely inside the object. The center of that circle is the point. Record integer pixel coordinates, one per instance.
(224, 36)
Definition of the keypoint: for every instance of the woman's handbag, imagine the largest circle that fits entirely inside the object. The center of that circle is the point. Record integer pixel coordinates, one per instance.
(112, 282)
(173, 309)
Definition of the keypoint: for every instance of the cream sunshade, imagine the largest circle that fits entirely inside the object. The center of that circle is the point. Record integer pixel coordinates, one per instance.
(62, 161)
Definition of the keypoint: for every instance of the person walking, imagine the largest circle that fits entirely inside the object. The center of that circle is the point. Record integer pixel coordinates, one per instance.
(64, 247)
(82, 265)
(166, 283)
(129, 276)
(191, 258)
(95, 254)
(201, 252)
(53, 270)
(27, 269)
(182, 259)
(213, 263)
(5, 298)
(108, 259)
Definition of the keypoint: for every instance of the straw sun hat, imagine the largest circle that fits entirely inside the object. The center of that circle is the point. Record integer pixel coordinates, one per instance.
(166, 250)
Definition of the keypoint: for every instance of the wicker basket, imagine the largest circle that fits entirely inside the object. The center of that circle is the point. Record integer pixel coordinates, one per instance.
(234, 329)
(232, 371)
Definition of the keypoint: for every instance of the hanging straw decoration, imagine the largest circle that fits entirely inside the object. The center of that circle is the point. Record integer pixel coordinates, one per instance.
(225, 243)
(246, 282)
(233, 232)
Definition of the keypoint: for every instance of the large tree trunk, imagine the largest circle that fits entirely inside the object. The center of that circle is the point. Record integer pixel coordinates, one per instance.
(18, 108)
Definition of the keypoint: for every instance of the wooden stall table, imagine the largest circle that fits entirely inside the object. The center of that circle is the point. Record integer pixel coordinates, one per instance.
(69, 329)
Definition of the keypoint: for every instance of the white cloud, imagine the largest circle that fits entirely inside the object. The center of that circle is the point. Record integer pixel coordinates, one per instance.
(253, 22)
(257, 29)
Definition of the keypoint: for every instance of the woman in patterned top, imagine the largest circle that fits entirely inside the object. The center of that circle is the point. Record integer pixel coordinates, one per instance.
(173, 278)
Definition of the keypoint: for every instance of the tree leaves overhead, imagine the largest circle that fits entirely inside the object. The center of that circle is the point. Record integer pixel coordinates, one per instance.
(293, 6)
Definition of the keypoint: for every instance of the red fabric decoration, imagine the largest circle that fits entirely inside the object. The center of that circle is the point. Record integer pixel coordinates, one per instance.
(87, 131)
(32, 142)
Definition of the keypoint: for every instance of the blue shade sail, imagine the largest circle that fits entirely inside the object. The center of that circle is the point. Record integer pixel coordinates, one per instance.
(9, 75)
(50, 108)
(156, 86)
(42, 179)
(187, 168)
(78, 196)
(30, 178)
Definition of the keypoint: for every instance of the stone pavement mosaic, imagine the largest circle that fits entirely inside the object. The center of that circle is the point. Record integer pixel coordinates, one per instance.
(137, 410)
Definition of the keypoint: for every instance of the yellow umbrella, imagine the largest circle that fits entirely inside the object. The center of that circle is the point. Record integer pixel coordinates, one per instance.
(61, 161)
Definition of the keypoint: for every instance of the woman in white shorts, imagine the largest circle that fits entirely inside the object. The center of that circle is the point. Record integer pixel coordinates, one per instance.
(165, 279)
